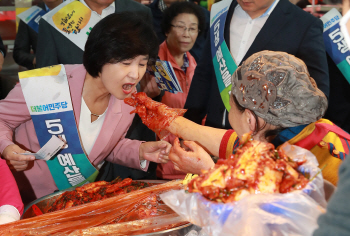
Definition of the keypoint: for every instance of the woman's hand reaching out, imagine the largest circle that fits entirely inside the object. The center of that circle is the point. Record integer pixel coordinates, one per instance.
(192, 160)
(155, 151)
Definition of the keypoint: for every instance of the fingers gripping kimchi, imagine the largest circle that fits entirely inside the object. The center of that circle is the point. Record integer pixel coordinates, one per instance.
(256, 167)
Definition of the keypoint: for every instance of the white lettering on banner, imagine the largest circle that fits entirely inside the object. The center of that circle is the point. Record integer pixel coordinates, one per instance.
(216, 33)
(68, 171)
(338, 38)
(225, 74)
(348, 59)
(54, 123)
(77, 179)
(73, 175)
(37, 19)
(219, 54)
(66, 159)
(342, 46)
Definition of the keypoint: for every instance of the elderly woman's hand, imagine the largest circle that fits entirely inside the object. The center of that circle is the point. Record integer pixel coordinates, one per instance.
(14, 159)
(192, 161)
(155, 151)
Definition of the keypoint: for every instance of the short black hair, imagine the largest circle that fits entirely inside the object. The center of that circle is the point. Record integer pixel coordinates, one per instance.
(119, 37)
(182, 7)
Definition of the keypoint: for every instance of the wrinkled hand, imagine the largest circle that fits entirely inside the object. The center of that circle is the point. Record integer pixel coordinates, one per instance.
(155, 151)
(155, 115)
(149, 86)
(14, 159)
(192, 161)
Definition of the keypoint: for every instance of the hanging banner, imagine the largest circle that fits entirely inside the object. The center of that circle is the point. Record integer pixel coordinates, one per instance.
(74, 20)
(335, 43)
(32, 17)
(47, 95)
(224, 65)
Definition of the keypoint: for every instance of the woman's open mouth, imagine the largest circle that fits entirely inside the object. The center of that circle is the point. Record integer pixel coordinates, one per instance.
(127, 88)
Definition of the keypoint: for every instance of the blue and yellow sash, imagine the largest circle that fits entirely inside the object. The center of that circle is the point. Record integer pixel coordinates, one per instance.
(224, 65)
(48, 99)
(32, 17)
(335, 43)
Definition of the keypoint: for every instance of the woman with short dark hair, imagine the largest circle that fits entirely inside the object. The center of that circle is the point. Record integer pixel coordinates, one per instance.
(113, 43)
(116, 56)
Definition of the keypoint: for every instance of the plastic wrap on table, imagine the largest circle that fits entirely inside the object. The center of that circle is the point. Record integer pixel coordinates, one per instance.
(110, 210)
(150, 225)
(293, 213)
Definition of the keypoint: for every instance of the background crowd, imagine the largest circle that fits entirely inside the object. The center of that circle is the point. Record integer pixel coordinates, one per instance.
(181, 30)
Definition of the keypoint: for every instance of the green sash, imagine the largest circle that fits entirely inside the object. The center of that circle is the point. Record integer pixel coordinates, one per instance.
(224, 65)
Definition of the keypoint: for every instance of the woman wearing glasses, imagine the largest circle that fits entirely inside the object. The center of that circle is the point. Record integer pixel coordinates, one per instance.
(182, 23)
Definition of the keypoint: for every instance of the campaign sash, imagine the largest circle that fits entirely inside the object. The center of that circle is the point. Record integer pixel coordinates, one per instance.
(224, 65)
(47, 95)
(335, 43)
(74, 20)
(32, 17)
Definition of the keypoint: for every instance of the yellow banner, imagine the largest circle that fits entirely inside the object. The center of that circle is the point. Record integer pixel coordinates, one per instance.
(46, 71)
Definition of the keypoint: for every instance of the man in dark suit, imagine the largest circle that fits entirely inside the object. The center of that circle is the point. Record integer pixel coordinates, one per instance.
(54, 48)
(339, 97)
(26, 39)
(287, 28)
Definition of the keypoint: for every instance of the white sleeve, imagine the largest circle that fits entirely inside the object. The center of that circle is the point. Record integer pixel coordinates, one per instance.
(8, 214)
(143, 164)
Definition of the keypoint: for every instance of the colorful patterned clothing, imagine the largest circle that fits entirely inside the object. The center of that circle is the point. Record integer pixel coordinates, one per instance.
(325, 140)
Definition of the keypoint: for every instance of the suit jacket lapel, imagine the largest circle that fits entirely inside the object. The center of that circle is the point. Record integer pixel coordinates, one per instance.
(119, 6)
(76, 82)
(276, 21)
(42, 5)
(228, 22)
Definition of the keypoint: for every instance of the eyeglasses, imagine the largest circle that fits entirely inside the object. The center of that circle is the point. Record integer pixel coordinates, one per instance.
(182, 29)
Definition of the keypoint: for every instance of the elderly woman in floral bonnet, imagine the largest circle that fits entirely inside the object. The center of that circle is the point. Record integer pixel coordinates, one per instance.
(274, 97)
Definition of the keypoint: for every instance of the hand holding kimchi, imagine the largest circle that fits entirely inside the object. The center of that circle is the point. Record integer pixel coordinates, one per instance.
(155, 115)
(256, 167)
